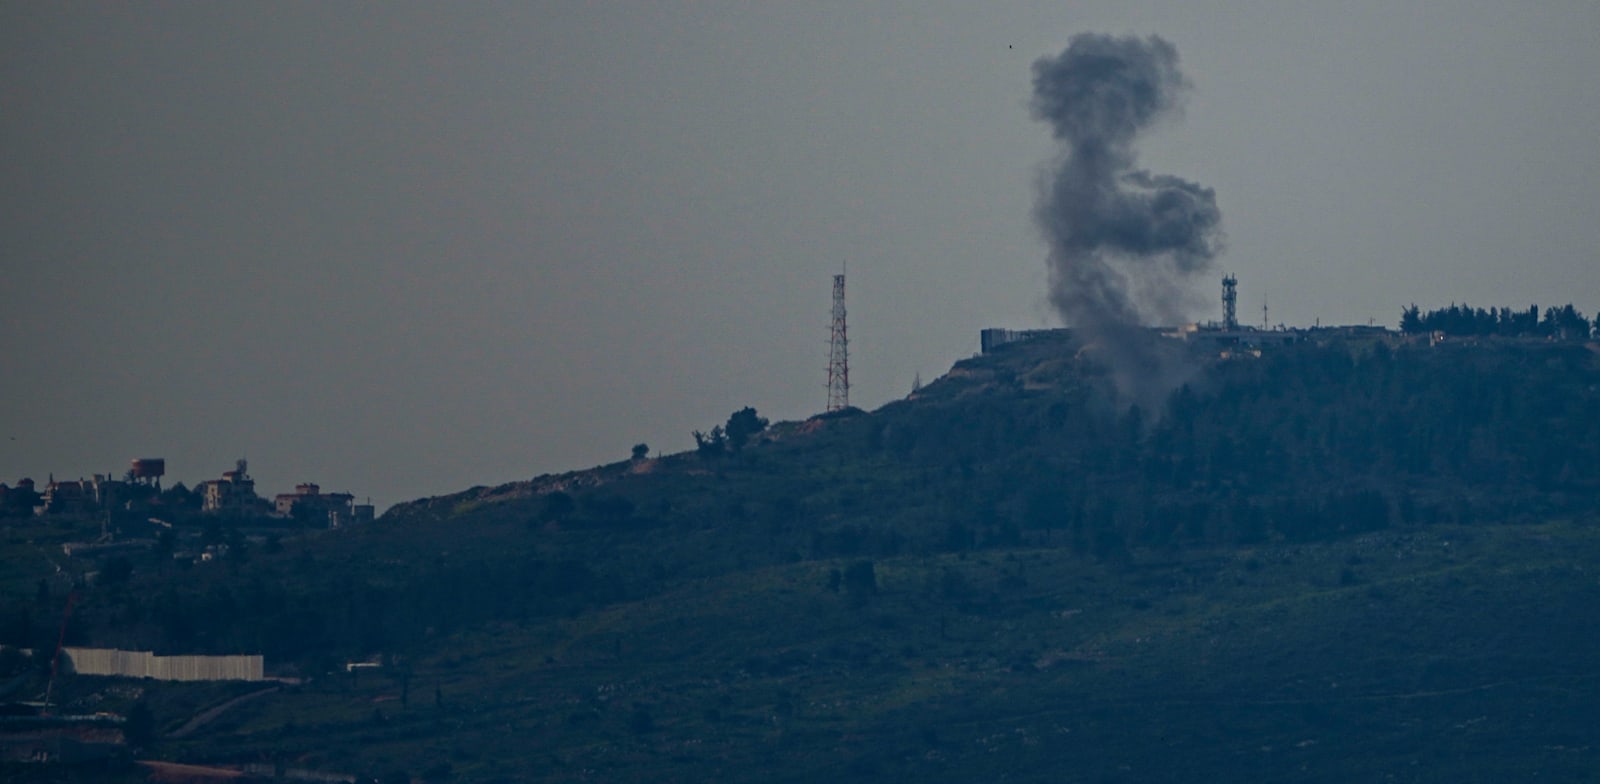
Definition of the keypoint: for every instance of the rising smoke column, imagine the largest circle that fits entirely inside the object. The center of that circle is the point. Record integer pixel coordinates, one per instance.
(1125, 244)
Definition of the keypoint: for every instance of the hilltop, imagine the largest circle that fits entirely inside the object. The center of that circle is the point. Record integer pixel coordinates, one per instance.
(1348, 557)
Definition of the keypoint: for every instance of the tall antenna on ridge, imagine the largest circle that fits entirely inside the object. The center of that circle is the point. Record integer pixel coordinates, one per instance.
(838, 351)
(1230, 299)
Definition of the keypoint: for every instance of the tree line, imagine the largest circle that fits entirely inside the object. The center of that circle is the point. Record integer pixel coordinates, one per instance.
(1565, 322)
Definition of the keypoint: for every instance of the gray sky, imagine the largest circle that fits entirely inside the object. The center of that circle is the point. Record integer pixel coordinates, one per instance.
(403, 249)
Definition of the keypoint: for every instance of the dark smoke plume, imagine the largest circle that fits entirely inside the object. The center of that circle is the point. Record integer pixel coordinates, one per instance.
(1125, 244)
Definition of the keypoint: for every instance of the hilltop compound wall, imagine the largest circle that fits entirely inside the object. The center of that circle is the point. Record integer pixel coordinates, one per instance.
(144, 664)
(993, 338)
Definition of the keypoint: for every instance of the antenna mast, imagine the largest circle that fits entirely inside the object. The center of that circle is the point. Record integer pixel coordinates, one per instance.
(838, 352)
(1230, 299)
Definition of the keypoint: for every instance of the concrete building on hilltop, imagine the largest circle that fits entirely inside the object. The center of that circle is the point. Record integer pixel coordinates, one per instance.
(995, 337)
(234, 495)
(65, 497)
(81, 496)
(309, 503)
(1221, 339)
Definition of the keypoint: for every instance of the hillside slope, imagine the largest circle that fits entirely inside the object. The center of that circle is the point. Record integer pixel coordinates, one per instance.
(1338, 561)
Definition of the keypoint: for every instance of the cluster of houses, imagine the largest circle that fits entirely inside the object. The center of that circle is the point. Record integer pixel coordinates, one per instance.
(232, 496)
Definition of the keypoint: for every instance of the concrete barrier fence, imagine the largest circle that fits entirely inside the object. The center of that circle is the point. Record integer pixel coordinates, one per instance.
(144, 664)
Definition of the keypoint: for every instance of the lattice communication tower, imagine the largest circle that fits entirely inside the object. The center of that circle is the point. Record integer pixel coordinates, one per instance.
(1230, 301)
(838, 352)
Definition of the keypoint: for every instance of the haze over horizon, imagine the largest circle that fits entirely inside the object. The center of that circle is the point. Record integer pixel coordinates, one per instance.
(400, 250)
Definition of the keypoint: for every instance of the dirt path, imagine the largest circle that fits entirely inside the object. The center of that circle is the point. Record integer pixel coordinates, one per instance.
(204, 717)
(177, 771)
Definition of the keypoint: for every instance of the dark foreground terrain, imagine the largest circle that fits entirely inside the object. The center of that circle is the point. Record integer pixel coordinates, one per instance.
(1345, 560)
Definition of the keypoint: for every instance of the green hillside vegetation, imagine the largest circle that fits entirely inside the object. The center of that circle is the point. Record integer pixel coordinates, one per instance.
(1343, 560)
